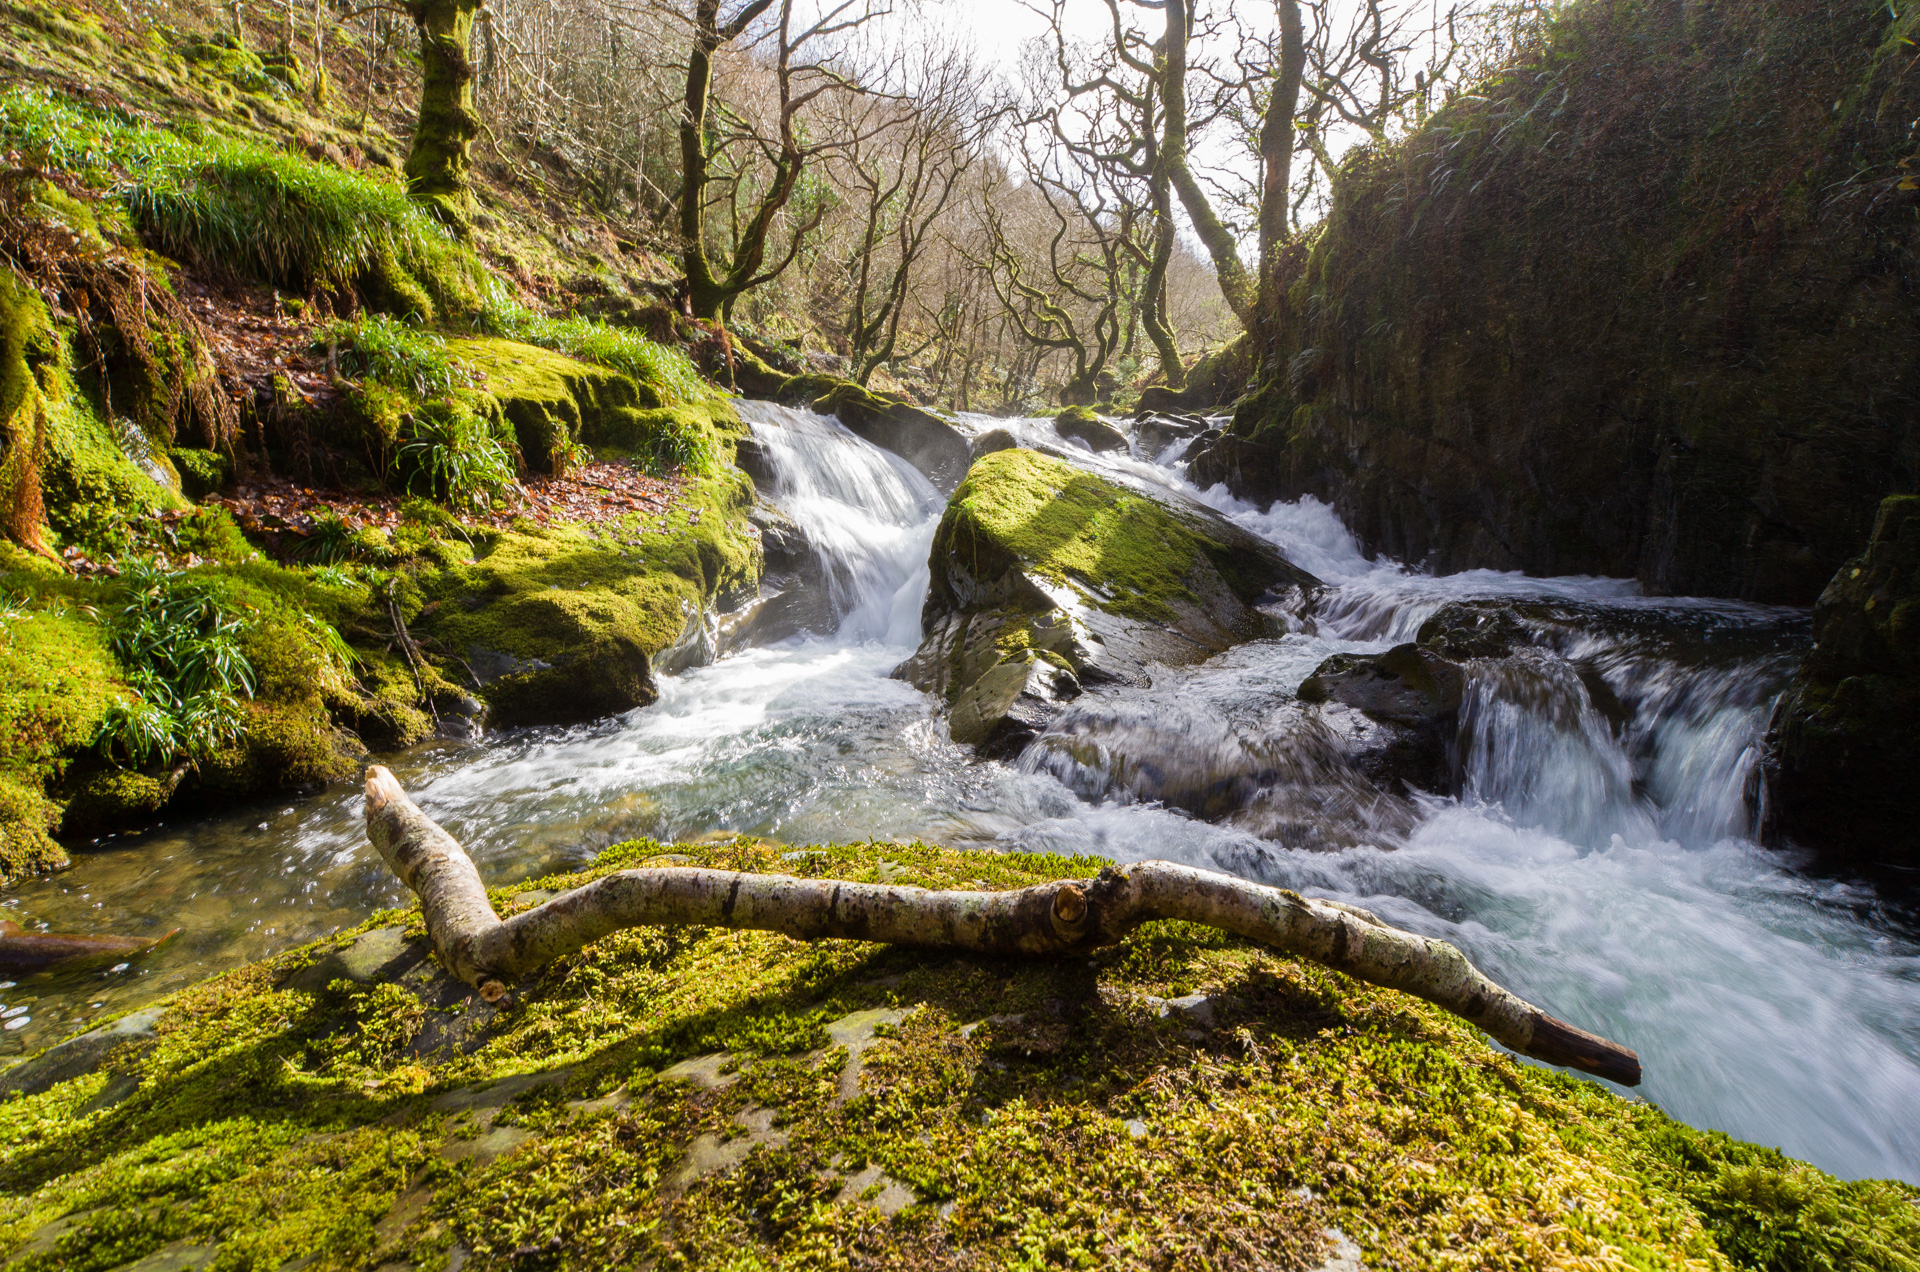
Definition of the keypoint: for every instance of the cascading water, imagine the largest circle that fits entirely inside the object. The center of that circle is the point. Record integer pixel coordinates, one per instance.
(1598, 859)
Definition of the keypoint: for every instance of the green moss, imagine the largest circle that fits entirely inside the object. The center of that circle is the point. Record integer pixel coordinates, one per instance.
(1124, 550)
(58, 679)
(563, 622)
(1034, 1114)
(202, 472)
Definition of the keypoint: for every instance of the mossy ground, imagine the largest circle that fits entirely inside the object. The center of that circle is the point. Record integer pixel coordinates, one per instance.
(1077, 1123)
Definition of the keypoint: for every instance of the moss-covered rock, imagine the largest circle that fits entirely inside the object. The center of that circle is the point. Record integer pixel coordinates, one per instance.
(1084, 424)
(565, 623)
(1845, 741)
(1046, 577)
(58, 679)
(693, 1098)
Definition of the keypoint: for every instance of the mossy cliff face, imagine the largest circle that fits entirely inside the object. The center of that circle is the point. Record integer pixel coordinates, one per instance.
(700, 1099)
(1046, 578)
(1845, 743)
(1641, 305)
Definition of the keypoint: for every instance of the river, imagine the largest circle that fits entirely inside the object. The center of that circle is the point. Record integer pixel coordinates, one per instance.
(1600, 859)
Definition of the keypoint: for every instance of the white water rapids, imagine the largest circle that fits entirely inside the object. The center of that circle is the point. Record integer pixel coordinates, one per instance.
(1604, 870)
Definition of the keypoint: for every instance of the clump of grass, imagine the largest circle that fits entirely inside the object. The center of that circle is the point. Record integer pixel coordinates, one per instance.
(452, 455)
(668, 371)
(180, 648)
(289, 220)
(272, 214)
(380, 347)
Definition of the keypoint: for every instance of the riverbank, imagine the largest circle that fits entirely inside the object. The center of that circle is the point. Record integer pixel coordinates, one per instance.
(693, 1099)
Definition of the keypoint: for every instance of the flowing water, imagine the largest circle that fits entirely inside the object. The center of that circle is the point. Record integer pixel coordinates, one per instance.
(1600, 859)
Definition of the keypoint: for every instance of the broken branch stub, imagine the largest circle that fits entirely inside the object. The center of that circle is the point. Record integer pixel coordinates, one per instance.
(1064, 917)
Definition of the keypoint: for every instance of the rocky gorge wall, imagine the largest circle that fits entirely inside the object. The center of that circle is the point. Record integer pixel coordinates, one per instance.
(1642, 305)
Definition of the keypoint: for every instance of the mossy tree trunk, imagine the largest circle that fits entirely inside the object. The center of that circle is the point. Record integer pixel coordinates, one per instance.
(712, 284)
(1235, 283)
(1276, 154)
(1060, 920)
(439, 164)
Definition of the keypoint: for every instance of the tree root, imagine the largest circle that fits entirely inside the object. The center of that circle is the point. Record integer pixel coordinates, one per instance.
(1052, 919)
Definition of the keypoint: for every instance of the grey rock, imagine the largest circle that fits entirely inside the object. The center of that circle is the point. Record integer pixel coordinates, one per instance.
(81, 1055)
(384, 954)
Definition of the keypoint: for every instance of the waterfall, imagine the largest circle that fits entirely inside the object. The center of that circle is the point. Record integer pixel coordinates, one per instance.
(868, 515)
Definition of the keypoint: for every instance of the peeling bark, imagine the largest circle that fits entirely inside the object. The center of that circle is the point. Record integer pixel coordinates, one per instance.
(1053, 919)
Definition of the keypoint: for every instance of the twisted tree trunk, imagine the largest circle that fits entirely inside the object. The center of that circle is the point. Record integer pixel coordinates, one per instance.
(1050, 919)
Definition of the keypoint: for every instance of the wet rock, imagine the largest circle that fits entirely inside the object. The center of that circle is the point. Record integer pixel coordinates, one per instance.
(1844, 745)
(794, 595)
(1413, 692)
(1157, 432)
(1047, 579)
(1406, 685)
(994, 439)
(1279, 770)
(1247, 467)
(1475, 629)
(1082, 424)
(83, 1054)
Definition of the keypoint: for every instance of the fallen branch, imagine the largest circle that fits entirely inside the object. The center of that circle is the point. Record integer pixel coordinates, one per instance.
(1065, 917)
(24, 951)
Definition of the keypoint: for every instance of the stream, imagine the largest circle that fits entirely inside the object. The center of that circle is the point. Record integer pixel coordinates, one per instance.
(1600, 860)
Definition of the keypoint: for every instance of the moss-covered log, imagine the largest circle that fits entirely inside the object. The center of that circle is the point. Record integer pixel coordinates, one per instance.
(1056, 919)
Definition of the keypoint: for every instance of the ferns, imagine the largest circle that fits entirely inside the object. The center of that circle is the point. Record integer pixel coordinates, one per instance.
(181, 651)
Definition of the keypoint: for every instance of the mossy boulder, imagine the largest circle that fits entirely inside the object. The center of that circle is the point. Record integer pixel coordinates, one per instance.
(925, 439)
(549, 399)
(565, 623)
(1082, 423)
(701, 1099)
(58, 679)
(1046, 577)
(1845, 741)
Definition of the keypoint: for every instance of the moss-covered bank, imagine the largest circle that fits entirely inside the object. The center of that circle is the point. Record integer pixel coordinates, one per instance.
(1640, 305)
(1846, 737)
(722, 1099)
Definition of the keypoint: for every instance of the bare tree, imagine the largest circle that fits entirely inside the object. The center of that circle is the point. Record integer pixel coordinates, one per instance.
(1064, 292)
(907, 153)
(716, 274)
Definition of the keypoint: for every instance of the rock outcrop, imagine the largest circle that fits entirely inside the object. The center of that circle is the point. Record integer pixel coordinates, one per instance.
(925, 439)
(1572, 327)
(1845, 742)
(1047, 578)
